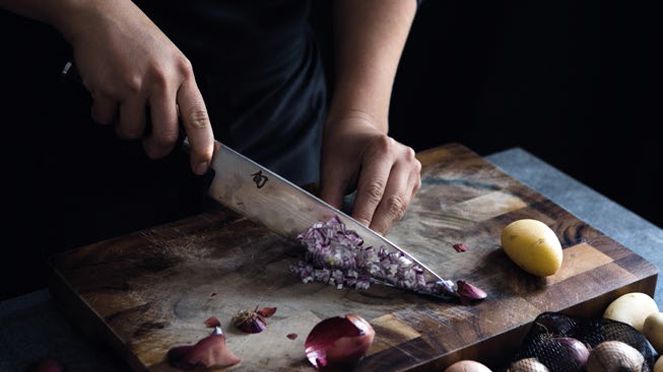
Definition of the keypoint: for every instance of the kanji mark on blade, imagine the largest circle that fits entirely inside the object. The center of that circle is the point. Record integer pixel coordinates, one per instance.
(260, 179)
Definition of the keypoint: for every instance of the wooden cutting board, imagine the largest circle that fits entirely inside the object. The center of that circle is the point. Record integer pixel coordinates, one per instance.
(146, 292)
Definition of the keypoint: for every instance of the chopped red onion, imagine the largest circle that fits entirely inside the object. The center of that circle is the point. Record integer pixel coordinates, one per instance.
(337, 256)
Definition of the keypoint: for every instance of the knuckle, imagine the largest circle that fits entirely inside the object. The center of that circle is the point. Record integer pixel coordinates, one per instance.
(382, 144)
(198, 118)
(410, 154)
(185, 67)
(133, 85)
(374, 191)
(363, 219)
(396, 205)
(160, 77)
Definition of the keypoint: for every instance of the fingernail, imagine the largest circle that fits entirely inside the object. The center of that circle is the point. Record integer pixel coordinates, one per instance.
(201, 168)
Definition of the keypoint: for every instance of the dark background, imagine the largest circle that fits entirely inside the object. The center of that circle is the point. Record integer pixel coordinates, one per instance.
(574, 83)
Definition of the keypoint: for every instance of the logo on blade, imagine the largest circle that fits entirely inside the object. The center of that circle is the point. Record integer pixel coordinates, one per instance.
(260, 179)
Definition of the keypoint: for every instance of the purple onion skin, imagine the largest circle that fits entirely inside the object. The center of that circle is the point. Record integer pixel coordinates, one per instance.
(577, 351)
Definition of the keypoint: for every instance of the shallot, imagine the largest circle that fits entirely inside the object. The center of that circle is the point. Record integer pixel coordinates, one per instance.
(253, 321)
(338, 340)
(575, 352)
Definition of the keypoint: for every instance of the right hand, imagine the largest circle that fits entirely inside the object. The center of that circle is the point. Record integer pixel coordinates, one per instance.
(128, 65)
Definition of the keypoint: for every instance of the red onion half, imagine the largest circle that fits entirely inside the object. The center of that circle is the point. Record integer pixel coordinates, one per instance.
(338, 340)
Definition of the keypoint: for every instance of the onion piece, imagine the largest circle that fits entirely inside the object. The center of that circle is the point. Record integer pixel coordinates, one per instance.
(338, 340)
(212, 322)
(469, 293)
(266, 311)
(461, 247)
(209, 352)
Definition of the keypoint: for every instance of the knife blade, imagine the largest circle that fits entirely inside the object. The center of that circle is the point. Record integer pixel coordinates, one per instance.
(284, 208)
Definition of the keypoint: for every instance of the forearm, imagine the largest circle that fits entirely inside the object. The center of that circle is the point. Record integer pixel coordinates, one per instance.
(48, 11)
(369, 40)
(65, 15)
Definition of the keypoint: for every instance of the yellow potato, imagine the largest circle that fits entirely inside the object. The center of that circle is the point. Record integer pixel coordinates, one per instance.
(533, 246)
(653, 330)
(658, 367)
(632, 309)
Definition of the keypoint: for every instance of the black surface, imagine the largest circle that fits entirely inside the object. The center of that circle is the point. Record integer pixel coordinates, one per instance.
(574, 83)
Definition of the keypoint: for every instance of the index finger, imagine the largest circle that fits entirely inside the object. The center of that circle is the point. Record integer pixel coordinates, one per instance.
(197, 125)
(373, 179)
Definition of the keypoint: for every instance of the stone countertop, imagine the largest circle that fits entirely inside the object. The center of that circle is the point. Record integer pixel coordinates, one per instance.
(31, 326)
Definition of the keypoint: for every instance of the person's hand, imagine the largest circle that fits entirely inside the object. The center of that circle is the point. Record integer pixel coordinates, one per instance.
(129, 66)
(386, 173)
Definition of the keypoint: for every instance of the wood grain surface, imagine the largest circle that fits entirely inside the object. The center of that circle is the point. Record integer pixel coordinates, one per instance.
(146, 292)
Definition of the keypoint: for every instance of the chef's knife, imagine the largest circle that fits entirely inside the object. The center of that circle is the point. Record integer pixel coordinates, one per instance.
(267, 198)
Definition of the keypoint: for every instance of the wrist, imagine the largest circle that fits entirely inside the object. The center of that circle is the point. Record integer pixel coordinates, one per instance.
(354, 119)
(357, 107)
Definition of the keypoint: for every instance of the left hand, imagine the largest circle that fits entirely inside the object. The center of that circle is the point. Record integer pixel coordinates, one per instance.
(386, 174)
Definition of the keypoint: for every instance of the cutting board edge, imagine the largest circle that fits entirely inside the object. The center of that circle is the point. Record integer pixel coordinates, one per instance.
(86, 319)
